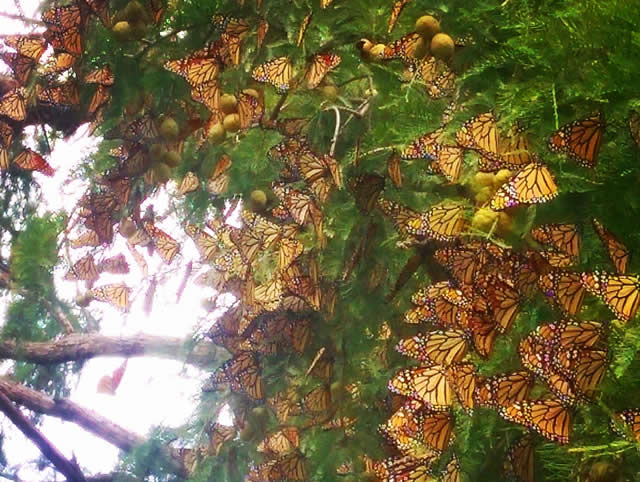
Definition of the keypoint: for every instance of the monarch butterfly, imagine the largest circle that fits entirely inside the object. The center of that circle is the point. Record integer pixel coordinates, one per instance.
(424, 147)
(143, 127)
(250, 109)
(103, 76)
(290, 127)
(580, 140)
(463, 380)
(157, 10)
(484, 333)
(304, 25)
(61, 18)
(67, 39)
(404, 48)
(589, 370)
(634, 127)
(303, 287)
(451, 472)
(448, 162)
(12, 105)
(32, 161)
(319, 66)
(441, 347)
(298, 204)
(280, 442)
(114, 294)
(481, 134)
(230, 25)
(189, 183)
(102, 224)
(503, 390)
(83, 269)
(463, 262)
(564, 237)
(263, 28)
(6, 138)
(276, 72)
(219, 434)
(396, 9)
(406, 468)
(196, 70)
(218, 182)
(366, 189)
(115, 264)
(20, 65)
(87, 239)
(31, 46)
(571, 334)
(617, 251)
(166, 246)
(520, 460)
(242, 372)
(548, 417)
(631, 418)
(257, 235)
(427, 384)
(514, 149)
(61, 96)
(438, 77)
(393, 169)
(621, 293)
(533, 184)
(101, 9)
(317, 400)
(443, 223)
(287, 467)
(101, 97)
(412, 426)
(564, 288)
(503, 300)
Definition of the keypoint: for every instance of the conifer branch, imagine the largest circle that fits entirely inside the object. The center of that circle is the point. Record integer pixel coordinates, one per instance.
(66, 467)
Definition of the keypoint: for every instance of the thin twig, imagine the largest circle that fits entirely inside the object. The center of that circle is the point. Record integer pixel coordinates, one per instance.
(336, 131)
(22, 18)
(354, 79)
(278, 106)
(377, 150)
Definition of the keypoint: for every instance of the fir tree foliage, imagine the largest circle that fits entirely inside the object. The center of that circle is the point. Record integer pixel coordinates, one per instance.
(540, 63)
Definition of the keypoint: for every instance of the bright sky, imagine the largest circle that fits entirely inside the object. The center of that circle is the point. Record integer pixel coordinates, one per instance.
(152, 391)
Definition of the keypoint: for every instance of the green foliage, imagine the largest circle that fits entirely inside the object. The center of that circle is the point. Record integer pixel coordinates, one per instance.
(35, 253)
(542, 63)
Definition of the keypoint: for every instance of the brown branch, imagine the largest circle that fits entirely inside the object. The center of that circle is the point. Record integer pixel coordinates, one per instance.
(59, 316)
(66, 467)
(78, 347)
(71, 412)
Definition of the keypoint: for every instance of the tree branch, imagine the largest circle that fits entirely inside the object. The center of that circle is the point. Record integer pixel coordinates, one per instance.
(78, 347)
(23, 19)
(59, 316)
(66, 467)
(71, 412)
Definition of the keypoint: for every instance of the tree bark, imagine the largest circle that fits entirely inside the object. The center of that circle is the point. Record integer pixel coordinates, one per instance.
(71, 412)
(78, 347)
(69, 469)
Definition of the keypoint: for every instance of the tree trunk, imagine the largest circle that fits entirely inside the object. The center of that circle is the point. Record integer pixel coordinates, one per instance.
(71, 412)
(78, 347)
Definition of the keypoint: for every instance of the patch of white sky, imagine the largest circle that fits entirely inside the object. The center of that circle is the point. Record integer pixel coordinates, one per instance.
(153, 391)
